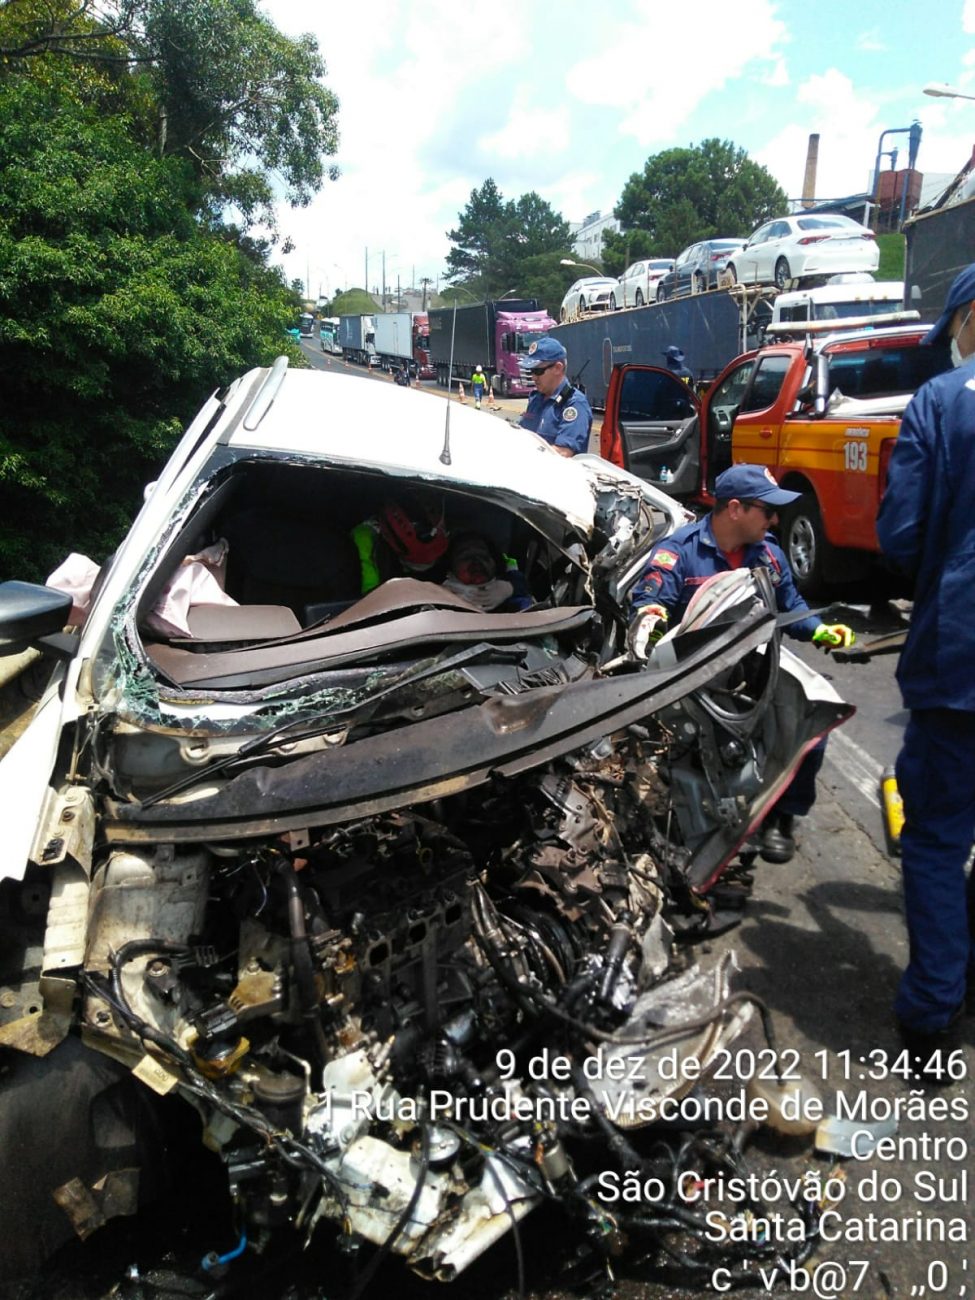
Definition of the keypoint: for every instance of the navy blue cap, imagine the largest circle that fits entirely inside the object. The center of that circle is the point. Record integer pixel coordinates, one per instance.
(751, 483)
(961, 293)
(543, 352)
(674, 353)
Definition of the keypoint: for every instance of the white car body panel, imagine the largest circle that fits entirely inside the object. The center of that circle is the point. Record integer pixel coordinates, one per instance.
(311, 415)
(24, 773)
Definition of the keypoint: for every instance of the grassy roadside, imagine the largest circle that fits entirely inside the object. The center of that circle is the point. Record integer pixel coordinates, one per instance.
(891, 256)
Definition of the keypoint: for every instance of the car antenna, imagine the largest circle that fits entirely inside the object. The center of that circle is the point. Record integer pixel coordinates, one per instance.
(445, 451)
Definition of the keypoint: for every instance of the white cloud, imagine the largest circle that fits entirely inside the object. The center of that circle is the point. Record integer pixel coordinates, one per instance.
(635, 72)
(777, 76)
(526, 129)
(847, 124)
(871, 41)
(399, 72)
(968, 16)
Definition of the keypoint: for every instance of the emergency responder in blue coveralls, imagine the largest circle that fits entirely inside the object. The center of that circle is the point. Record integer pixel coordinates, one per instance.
(927, 527)
(735, 535)
(675, 364)
(556, 411)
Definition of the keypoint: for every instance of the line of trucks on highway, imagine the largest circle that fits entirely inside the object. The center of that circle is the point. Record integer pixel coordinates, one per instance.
(390, 340)
(819, 401)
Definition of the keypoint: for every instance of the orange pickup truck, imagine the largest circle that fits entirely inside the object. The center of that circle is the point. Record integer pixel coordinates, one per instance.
(822, 414)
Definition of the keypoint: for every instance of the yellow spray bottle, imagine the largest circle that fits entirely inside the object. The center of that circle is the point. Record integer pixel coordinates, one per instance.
(893, 810)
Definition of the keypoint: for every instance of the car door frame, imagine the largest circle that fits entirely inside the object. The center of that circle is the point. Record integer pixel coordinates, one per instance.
(639, 446)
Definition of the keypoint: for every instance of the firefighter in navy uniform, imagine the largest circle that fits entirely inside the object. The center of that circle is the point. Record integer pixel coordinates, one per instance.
(926, 526)
(733, 536)
(556, 411)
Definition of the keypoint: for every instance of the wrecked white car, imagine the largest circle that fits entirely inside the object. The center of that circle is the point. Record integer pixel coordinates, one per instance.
(370, 882)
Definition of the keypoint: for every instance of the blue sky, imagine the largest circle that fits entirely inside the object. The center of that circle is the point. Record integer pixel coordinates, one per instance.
(570, 98)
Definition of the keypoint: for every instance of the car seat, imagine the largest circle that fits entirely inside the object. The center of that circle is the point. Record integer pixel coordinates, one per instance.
(293, 560)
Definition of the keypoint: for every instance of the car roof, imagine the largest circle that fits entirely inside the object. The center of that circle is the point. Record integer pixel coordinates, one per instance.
(352, 422)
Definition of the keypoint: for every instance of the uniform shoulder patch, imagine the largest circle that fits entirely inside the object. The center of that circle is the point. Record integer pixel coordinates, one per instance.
(664, 559)
(569, 414)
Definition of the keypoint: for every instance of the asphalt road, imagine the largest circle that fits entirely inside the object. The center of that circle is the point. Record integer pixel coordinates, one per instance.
(822, 943)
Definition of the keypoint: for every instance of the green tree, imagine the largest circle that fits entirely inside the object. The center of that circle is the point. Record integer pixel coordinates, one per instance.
(481, 230)
(128, 128)
(210, 81)
(119, 312)
(352, 302)
(80, 30)
(706, 191)
(244, 103)
(496, 242)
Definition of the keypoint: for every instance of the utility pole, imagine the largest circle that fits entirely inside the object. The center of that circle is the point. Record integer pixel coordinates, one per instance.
(384, 281)
(425, 283)
(366, 283)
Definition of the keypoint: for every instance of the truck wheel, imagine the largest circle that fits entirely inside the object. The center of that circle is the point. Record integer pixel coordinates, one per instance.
(782, 273)
(639, 298)
(505, 386)
(805, 544)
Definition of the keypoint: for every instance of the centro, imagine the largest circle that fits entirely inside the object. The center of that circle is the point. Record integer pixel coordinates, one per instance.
(925, 1146)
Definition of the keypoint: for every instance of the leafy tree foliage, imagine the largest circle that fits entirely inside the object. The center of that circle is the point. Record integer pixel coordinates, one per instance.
(77, 29)
(239, 99)
(218, 85)
(123, 298)
(497, 244)
(707, 191)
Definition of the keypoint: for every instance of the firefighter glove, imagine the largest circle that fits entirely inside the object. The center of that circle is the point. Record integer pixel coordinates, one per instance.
(648, 625)
(833, 636)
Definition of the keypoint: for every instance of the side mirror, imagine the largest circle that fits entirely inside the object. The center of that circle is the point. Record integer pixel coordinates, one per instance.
(32, 615)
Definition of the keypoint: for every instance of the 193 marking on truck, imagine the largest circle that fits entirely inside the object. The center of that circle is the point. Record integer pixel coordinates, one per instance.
(855, 450)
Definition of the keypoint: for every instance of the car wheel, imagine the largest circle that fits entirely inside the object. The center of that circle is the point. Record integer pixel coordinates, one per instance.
(782, 273)
(661, 294)
(638, 300)
(731, 273)
(582, 307)
(563, 315)
(805, 544)
(697, 283)
(612, 302)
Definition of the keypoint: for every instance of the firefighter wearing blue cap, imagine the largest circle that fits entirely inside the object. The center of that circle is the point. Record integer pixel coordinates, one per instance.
(926, 526)
(556, 411)
(675, 364)
(735, 535)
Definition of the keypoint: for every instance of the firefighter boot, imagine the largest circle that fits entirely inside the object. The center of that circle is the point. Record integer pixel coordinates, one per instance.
(775, 838)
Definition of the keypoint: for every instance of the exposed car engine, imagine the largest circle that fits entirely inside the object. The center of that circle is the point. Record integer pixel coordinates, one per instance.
(391, 1025)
